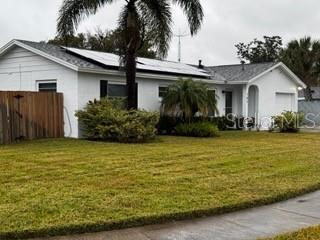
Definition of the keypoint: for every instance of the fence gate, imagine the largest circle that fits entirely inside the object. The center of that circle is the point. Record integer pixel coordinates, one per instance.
(30, 115)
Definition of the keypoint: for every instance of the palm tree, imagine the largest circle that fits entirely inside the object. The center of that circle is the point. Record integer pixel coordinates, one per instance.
(303, 58)
(136, 17)
(187, 97)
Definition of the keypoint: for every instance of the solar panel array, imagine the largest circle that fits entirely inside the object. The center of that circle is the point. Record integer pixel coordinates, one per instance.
(147, 64)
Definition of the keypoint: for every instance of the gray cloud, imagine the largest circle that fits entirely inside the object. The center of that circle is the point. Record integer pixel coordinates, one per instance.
(226, 23)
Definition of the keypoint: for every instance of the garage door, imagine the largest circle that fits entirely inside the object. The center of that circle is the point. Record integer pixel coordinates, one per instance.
(284, 102)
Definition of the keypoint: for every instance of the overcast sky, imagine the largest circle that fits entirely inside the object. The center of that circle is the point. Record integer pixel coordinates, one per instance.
(227, 22)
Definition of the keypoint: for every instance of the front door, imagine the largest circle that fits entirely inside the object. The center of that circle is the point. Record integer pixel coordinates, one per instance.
(228, 107)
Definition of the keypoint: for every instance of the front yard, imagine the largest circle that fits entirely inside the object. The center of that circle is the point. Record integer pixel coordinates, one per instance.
(66, 186)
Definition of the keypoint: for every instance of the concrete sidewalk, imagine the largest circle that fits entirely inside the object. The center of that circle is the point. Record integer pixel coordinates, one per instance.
(245, 225)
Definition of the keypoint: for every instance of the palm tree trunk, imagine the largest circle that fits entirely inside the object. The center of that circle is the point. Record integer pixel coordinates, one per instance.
(131, 68)
(133, 41)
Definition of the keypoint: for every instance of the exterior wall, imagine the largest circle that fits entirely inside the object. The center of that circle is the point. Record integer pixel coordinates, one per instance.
(21, 69)
(89, 86)
(236, 98)
(148, 97)
(269, 85)
(148, 90)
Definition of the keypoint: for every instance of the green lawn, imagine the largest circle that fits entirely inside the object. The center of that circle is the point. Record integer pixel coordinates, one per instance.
(67, 186)
(305, 234)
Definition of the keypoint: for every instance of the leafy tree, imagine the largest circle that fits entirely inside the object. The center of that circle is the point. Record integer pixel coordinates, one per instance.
(136, 18)
(186, 97)
(78, 41)
(105, 41)
(259, 51)
(303, 58)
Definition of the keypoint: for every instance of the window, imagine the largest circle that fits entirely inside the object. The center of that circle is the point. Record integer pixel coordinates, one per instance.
(228, 109)
(117, 90)
(47, 86)
(112, 90)
(162, 91)
(103, 89)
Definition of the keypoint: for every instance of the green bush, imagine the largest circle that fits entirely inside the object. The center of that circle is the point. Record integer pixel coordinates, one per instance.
(288, 121)
(199, 129)
(167, 124)
(105, 120)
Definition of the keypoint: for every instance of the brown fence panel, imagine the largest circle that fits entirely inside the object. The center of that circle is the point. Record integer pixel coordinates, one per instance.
(30, 115)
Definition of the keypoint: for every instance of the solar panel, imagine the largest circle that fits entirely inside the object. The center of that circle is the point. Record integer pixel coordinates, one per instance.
(110, 59)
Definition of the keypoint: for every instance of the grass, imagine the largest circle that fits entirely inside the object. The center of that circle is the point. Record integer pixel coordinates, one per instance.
(63, 186)
(312, 233)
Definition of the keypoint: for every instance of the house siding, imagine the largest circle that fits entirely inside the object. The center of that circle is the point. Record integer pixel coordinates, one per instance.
(236, 98)
(275, 82)
(269, 85)
(20, 70)
(148, 89)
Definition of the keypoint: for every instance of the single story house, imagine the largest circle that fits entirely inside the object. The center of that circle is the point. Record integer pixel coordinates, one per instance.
(249, 90)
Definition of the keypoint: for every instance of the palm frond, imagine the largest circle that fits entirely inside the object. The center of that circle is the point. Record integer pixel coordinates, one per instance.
(157, 18)
(73, 11)
(194, 13)
(186, 97)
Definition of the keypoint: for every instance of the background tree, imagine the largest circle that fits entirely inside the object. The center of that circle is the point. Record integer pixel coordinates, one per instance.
(136, 18)
(76, 41)
(258, 51)
(303, 58)
(186, 97)
(105, 41)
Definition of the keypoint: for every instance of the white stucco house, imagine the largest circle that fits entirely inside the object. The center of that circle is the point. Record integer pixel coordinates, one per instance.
(250, 90)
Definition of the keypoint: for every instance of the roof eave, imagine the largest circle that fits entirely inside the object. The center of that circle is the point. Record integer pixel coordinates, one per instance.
(232, 82)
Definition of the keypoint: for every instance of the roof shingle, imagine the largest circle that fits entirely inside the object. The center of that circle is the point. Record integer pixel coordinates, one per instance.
(61, 54)
(238, 72)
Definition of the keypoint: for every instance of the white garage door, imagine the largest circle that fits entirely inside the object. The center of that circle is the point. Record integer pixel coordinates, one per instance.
(284, 102)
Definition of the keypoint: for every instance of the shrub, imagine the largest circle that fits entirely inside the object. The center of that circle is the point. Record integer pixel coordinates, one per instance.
(105, 120)
(200, 129)
(288, 121)
(167, 124)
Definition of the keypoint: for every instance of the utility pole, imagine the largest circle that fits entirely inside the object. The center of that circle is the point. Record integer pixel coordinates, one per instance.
(179, 36)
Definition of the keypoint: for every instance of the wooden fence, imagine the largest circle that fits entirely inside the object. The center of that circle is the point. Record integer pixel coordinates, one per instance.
(30, 115)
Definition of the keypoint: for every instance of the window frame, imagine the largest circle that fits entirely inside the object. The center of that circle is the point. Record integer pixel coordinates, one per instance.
(228, 109)
(39, 82)
(159, 92)
(110, 83)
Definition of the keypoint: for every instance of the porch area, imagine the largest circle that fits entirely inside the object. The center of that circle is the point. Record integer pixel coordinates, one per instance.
(239, 100)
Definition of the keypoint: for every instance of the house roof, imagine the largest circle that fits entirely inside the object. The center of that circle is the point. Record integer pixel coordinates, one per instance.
(60, 53)
(239, 72)
(102, 62)
(99, 61)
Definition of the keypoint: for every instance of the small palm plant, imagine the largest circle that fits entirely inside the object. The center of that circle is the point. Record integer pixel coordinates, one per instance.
(187, 97)
(136, 18)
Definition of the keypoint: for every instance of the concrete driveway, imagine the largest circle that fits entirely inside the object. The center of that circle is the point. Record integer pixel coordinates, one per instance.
(243, 225)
